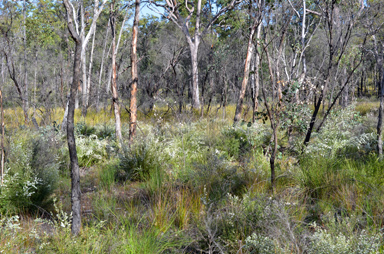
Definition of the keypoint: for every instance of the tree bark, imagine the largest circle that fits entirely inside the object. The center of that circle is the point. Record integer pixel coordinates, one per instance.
(134, 74)
(101, 69)
(380, 118)
(2, 138)
(195, 75)
(115, 97)
(26, 89)
(239, 107)
(75, 172)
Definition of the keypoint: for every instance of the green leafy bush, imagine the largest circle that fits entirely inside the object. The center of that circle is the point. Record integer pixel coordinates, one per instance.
(32, 171)
(324, 242)
(91, 150)
(235, 142)
(84, 129)
(137, 161)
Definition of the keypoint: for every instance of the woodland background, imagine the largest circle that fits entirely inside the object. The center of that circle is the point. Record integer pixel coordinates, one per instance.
(204, 127)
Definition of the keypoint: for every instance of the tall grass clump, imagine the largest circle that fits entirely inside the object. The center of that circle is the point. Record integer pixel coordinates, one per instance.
(138, 160)
(216, 175)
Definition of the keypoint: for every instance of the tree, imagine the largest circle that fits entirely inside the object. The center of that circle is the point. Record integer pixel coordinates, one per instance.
(134, 74)
(339, 22)
(8, 50)
(115, 98)
(76, 34)
(181, 15)
(256, 19)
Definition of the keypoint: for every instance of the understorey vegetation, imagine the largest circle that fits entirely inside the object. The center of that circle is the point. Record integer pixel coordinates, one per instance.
(157, 126)
(196, 185)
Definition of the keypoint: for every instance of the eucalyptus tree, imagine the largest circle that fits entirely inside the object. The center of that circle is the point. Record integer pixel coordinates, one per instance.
(374, 24)
(188, 18)
(338, 22)
(77, 28)
(115, 98)
(256, 9)
(134, 74)
(8, 29)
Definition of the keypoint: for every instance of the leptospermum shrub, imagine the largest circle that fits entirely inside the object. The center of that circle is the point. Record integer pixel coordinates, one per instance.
(31, 172)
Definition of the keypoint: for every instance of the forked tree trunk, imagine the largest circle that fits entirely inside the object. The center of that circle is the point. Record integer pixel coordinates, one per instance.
(134, 74)
(75, 173)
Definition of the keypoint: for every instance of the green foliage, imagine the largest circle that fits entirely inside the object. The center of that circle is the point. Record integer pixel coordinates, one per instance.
(235, 142)
(146, 241)
(334, 241)
(137, 161)
(91, 150)
(84, 129)
(258, 244)
(217, 176)
(31, 176)
(340, 132)
(107, 173)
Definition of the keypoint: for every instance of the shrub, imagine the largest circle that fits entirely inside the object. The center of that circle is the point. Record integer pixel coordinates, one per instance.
(31, 174)
(137, 161)
(91, 150)
(324, 242)
(258, 244)
(340, 131)
(235, 142)
(84, 129)
(216, 175)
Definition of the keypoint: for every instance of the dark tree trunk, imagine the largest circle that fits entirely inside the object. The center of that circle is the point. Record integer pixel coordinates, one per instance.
(75, 173)
(380, 118)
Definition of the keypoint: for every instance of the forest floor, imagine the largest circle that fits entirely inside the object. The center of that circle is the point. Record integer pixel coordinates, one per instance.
(191, 184)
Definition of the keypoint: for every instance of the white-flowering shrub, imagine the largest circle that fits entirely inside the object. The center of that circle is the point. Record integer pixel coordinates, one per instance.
(258, 244)
(31, 173)
(61, 219)
(324, 242)
(339, 132)
(91, 150)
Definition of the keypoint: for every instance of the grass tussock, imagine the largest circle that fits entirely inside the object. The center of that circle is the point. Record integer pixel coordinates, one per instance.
(193, 185)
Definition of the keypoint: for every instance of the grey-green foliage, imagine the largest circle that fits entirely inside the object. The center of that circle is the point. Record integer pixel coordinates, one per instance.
(323, 242)
(341, 131)
(91, 150)
(31, 172)
(343, 236)
(258, 244)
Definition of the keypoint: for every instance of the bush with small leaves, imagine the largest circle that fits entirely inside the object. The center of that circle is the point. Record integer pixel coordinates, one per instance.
(31, 173)
(258, 244)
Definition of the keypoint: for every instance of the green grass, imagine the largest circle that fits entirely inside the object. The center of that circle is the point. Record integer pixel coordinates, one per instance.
(190, 184)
